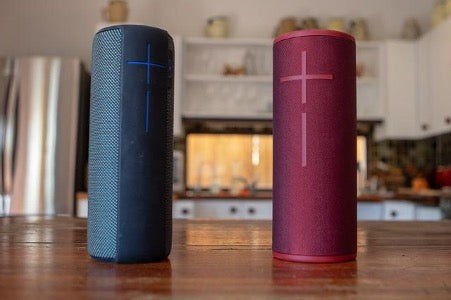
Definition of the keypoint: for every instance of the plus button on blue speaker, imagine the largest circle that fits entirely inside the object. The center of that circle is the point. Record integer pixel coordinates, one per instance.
(148, 64)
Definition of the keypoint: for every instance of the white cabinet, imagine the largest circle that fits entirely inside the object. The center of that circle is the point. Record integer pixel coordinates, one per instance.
(258, 210)
(418, 86)
(219, 209)
(369, 211)
(183, 209)
(400, 113)
(223, 209)
(82, 205)
(423, 89)
(427, 213)
(434, 81)
(239, 209)
(440, 53)
(399, 211)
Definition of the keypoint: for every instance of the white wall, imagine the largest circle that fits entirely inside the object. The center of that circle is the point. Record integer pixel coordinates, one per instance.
(65, 27)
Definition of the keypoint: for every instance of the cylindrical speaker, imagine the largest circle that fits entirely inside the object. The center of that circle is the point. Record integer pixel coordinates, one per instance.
(130, 144)
(314, 215)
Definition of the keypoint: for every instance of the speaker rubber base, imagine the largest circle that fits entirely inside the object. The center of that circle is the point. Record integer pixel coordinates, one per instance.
(314, 259)
(137, 261)
(102, 259)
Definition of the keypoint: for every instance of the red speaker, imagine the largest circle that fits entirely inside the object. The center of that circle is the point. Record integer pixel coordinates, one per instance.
(314, 215)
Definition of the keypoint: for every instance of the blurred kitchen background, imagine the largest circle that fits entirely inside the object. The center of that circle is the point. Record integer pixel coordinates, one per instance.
(223, 101)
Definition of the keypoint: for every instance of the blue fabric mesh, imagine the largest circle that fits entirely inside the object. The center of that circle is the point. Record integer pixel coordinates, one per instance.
(103, 189)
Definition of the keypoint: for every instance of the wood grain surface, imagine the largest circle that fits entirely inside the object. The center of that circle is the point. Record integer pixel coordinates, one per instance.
(46, 258)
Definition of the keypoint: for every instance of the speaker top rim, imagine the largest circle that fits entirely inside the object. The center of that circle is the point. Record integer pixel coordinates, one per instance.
(131, 26)
(313, 32)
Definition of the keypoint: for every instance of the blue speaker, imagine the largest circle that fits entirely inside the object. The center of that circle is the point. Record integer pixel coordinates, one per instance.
(130, 144)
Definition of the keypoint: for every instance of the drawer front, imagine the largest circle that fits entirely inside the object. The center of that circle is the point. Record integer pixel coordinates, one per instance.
(399, 210)
(183, 209)
(82, 208)
(219, 209)
(258, 210)
(427, 213)
(369, 211)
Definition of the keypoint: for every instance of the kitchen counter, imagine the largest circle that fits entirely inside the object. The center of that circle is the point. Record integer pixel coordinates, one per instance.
(205, 195)
(47, 258)
(431, 200)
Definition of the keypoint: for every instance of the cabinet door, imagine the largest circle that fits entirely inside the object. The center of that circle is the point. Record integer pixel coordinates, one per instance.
(258, 210)
(219, 209)
(183, 209)
(369, 211)
(82, 207)
(424, 95)
(399, 210)
(427, 213)
(441, 56)
(401, 89)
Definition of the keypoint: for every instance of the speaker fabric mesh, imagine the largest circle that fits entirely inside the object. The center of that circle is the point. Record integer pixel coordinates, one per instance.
(169, 113)
(314, 126)
(104, 144)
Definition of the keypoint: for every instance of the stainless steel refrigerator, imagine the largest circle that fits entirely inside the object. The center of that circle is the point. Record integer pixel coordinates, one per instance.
(43, 134)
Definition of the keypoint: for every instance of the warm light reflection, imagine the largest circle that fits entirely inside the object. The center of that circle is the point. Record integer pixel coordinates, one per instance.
(224, 158)
(240, 234)
(340, 278)
(362, 240)
(362, 154)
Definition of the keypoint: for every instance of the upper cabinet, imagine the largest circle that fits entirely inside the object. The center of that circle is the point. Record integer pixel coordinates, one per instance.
(418, 86)
(440, 77)
(423, 89)
(434, 81)
(400, 96)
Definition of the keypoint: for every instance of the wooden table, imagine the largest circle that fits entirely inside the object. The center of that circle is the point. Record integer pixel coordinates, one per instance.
(47, 258)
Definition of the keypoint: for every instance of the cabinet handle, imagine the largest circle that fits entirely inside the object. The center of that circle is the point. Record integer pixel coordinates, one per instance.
(185, 211)
(424, 127)
(233, 210)
(448, 120)
(393, 214)
(251, 210)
